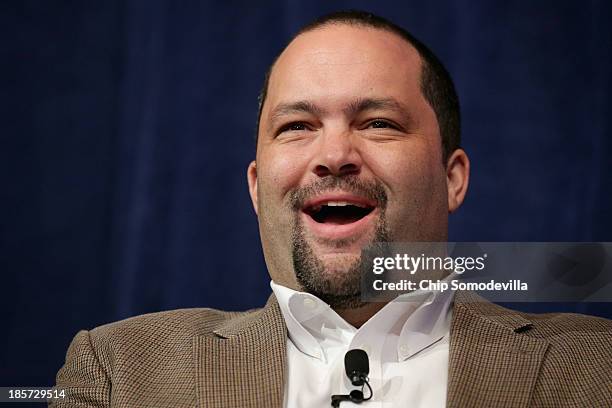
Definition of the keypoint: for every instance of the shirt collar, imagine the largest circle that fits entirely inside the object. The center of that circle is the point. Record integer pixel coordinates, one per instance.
(312, 324)
(401, 329)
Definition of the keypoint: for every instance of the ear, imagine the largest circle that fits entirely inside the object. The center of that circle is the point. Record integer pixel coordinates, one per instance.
(457, 178)
(252, 180)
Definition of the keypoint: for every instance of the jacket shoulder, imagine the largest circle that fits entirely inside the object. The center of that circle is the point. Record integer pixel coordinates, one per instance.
(127, 354)
(542, 325)
(157, 338)
(571, 351)
(578, 362)
(560, 324)
(171, 325)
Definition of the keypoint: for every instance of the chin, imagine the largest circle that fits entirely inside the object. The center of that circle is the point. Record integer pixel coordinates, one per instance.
(341, 266)
(340, 261)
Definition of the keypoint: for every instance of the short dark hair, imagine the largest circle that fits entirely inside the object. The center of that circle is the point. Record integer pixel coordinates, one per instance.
(436, 83)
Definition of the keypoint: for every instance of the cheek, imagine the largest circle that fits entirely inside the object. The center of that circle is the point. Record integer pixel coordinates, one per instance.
(415, 178)
(404, 167)
(279, 171)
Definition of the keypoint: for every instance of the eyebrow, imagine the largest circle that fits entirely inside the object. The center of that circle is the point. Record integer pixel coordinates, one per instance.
(367, 104)
(295, 107)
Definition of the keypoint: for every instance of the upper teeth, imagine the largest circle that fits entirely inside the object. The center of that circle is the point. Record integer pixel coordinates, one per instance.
(341, 204)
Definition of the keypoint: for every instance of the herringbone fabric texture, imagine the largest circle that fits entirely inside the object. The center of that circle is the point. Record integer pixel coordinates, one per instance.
(210, 358)
(502, 358)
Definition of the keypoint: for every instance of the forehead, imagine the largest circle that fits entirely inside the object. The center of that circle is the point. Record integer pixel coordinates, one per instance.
(345, 60)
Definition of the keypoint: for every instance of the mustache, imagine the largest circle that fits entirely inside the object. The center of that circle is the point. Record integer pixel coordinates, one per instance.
(373, 190)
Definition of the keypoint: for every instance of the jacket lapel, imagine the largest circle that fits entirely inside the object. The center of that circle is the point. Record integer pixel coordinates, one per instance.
(243, 363)
(492, 362)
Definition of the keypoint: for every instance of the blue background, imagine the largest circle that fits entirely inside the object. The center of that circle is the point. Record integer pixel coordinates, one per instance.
(127, 127)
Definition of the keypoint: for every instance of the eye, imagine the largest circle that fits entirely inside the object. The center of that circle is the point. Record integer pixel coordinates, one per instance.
(381, 124)
(293, 127)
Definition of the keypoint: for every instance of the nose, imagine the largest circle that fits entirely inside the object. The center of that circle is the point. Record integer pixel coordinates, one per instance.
(337, 155)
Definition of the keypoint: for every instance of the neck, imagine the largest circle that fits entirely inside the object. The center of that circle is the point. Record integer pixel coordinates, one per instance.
(358, 316)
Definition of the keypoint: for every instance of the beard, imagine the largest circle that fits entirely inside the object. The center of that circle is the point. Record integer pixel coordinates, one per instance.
(337, 283)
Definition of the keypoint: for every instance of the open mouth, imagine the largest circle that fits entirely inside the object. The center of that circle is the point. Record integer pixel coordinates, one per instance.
(338, 212)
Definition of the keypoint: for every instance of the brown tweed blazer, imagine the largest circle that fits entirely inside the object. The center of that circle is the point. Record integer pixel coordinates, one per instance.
(210, 358)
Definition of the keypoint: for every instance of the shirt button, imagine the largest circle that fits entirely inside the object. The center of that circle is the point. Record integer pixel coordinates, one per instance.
(309, 303)
(316, 354)
(404, 349)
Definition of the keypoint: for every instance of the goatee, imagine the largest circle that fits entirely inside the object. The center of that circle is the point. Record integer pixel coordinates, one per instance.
(337, 283)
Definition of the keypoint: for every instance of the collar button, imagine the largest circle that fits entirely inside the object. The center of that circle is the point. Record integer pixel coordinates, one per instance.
(309, 303)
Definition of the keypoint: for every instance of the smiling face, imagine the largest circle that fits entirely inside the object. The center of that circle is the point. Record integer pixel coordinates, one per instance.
(349, 153)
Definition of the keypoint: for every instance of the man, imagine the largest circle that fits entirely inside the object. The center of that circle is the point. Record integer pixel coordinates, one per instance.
(358, 142)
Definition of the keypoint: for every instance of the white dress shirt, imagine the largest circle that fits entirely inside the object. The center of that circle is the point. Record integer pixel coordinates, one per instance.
(407, 343)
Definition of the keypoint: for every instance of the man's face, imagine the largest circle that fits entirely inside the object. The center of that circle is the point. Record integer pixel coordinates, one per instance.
(349, 153)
